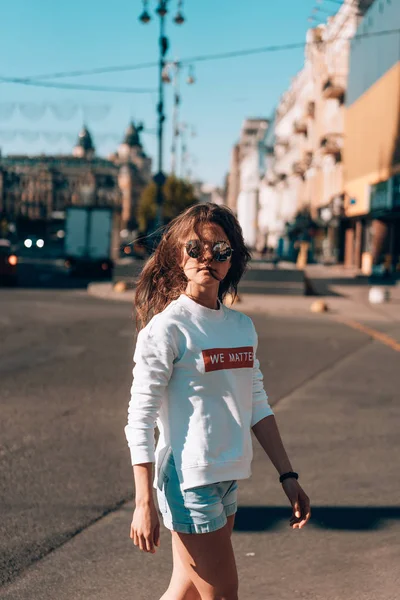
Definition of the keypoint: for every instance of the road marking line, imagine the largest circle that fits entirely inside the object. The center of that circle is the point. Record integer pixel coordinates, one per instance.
(376, 335)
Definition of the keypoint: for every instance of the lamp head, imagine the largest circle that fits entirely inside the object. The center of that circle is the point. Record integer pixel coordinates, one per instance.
(179, 19)
(162, 8)
(145, 17)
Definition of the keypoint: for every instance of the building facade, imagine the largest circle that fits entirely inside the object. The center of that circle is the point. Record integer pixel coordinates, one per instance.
(233, 179)
(247, 170)
(36, 189)
(372, 143)
(133, 175)
(270, 221)
(309, 141)
(208, 193)
(301, 195)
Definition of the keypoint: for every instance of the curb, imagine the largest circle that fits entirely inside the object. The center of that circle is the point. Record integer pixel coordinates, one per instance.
(106, 292)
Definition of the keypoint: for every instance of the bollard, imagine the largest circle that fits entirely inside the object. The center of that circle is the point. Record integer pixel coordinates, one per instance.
(378, 295)
(319, 306)
(120, 286)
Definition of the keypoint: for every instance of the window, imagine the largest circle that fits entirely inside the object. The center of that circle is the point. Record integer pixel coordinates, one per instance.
(379, 195)
(396, 190)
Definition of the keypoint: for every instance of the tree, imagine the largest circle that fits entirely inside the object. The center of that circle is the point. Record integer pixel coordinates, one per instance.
(178, 195)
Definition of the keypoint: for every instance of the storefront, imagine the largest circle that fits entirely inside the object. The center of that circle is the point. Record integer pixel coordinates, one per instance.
(329, 237)
(384, 220)
(372, 143)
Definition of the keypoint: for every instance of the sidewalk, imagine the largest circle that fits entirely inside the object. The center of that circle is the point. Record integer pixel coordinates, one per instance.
(346, 291)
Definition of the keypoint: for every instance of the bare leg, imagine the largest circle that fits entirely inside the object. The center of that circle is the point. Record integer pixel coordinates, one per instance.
(181, 586)
(209, 563)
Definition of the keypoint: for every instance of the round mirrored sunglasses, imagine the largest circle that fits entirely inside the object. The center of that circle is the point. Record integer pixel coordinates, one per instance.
(221, 251)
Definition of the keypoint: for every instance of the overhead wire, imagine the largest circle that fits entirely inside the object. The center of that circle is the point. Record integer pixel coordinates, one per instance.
(75, 86)
(38, 80)
(337, 2)
(94, 71)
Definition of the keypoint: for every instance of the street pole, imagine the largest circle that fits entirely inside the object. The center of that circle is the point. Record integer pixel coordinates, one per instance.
(160, 177)
(183, 131)
(176, 125)
(175, 118)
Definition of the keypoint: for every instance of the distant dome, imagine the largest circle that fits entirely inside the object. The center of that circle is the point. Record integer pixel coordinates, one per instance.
(132, 138)
(85, 140)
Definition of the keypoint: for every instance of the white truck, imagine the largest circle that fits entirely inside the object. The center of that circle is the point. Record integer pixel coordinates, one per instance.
(91, 240)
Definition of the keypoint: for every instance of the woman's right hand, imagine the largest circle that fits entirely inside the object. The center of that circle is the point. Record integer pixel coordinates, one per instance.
(145, 527)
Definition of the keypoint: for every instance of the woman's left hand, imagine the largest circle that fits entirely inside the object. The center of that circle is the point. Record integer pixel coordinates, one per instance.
(299, 501)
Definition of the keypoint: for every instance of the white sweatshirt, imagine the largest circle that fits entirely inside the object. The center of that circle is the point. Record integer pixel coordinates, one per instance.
(197, 377)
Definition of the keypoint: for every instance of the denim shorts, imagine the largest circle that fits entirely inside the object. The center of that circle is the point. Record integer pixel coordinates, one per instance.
(197, 510)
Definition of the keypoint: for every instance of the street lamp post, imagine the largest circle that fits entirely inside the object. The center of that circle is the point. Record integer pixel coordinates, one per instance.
(176, 67)
(159, 177)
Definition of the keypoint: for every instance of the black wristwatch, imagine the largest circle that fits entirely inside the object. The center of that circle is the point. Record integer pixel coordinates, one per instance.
(288, 475)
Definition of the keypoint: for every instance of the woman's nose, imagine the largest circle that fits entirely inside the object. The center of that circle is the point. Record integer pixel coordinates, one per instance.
(207, 252)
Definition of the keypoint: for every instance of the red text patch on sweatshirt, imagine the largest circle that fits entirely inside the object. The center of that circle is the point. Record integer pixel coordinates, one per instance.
(217, 359)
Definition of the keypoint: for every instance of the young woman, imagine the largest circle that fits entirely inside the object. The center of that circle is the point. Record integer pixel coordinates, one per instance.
(197, 377)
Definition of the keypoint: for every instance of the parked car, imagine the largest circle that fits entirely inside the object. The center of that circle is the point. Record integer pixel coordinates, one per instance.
(8, 264)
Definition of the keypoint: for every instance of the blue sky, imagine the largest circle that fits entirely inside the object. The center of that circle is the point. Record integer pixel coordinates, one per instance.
(43, 36)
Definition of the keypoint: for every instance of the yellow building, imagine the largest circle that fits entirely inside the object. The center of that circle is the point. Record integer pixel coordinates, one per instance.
(372, 141)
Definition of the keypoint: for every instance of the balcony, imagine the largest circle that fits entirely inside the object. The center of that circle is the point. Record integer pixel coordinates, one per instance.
(332, 144)
(300, 126)
(271, 178)
(310, 110)
(334, 87)
(281, 148)
(301, 166)
(282, 143)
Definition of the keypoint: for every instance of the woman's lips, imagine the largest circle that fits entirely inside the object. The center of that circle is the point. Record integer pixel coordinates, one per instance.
(211, 272)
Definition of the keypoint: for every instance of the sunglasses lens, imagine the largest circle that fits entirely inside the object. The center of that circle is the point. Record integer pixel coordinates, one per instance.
(193, 248)
(222, 251)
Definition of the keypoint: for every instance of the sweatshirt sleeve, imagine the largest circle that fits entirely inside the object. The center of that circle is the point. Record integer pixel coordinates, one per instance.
(261, 407)
(154, 357)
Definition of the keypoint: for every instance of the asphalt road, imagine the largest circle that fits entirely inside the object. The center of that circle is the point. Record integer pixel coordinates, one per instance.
(65, 371)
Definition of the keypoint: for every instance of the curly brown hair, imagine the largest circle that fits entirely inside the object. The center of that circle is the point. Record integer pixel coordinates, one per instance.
(163, 280)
